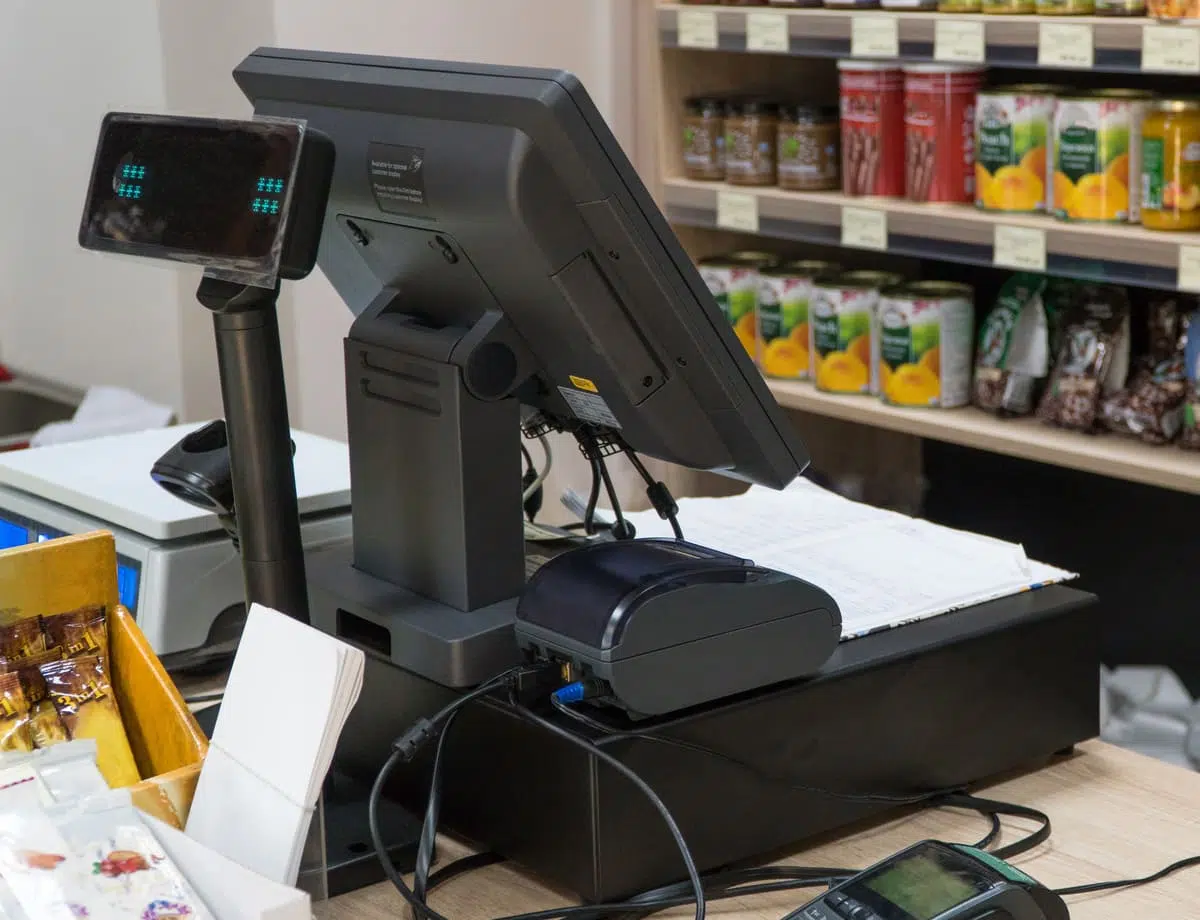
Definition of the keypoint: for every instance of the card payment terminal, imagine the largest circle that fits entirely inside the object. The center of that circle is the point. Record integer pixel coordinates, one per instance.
(939, 881)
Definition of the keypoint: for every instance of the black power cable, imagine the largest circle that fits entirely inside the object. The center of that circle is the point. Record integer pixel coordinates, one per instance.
(698, 889)
(658, 493)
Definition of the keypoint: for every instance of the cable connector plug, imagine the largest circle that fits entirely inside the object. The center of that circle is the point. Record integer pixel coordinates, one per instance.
(581, 690)
(410, 743)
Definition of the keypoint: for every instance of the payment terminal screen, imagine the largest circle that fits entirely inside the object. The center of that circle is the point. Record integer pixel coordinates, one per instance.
(921, 886)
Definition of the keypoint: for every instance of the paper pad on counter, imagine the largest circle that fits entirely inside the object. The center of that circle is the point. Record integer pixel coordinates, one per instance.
(288, 697)
(883, 568)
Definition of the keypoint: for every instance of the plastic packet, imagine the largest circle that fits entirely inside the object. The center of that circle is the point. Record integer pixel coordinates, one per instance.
(45, 726)
(80, 632)
(1093, 360)
(128, 874)
(84, 698)
(1014, 348)
(21, 639)
(1189, 438)
(14, 715)
(59, 775)
(1152, 406)
(35, 863)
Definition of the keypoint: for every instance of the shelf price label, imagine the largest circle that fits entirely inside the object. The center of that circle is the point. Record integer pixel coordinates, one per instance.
(1021, 248)
(767, 32)
(697, 29)
(864, 228)
(1189, 268)
(874, 36)
(959, 41)
(737, 211)
(1066, 44)
(1171, 49)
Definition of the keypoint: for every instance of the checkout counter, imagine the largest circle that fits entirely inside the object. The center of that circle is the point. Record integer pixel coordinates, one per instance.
(509, 273)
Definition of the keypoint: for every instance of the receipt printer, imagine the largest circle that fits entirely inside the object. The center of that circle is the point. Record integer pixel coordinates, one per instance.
(664, 625)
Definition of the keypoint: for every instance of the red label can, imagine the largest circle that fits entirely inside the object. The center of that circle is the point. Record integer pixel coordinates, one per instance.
(872, 101)
(939, 131)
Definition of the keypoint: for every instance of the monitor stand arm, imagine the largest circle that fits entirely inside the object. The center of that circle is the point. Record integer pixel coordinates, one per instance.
(438, 556)
(260, 446)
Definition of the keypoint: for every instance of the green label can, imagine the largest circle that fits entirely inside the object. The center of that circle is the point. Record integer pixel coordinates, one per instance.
(734, 285)
(784, 330)
(1097, 157)
(842, 315)
(925, 335)
(1012, 133)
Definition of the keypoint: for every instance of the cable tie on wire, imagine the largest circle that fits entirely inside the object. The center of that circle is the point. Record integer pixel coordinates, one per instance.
(662, 500)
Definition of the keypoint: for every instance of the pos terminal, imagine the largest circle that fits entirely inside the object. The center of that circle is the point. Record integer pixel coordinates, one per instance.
(508, 272)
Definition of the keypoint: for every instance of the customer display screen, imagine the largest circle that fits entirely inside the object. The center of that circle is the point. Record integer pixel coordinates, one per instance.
(189, 188)
(18, 531)
(921, 885)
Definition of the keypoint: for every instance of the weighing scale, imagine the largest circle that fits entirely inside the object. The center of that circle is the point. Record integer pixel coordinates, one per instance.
(177, 568)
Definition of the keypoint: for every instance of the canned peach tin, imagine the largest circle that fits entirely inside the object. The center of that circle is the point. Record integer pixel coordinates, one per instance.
(872, 102)
(939, 131)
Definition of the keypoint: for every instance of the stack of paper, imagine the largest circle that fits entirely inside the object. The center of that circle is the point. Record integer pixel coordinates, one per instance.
(288, 697)
(883, 568)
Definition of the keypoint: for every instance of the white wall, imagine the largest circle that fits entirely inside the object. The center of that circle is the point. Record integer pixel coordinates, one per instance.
(64, 313)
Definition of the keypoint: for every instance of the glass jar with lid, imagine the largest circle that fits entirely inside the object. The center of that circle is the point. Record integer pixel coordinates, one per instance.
(751, 128)
(808, 151)
(1170, 183)
(704, 138)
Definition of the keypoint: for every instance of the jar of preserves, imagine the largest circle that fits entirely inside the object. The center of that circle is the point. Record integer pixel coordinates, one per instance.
(1171, 165)
(704, 138)
(751, 129)
(808, 151)
(960, 6)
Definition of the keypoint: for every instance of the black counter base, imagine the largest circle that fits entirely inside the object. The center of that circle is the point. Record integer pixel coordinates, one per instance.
(944, 702)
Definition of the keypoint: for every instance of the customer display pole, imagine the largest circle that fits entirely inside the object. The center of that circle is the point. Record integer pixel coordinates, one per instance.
(254, 394)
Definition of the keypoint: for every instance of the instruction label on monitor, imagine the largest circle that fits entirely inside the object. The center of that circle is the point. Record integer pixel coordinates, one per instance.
(588, 405)
(397, 178)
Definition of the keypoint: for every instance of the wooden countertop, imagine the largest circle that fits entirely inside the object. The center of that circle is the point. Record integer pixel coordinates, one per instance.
(1115, 815)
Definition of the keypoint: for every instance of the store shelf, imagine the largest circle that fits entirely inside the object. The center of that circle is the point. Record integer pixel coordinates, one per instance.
(1123, 254)
(1011, 41)
(1109, 455)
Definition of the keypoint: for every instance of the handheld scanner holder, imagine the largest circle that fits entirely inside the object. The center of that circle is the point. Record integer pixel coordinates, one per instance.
(244, 199)
(198, 471)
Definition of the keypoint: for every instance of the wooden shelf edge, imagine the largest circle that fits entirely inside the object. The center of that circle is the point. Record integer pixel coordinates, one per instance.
(1122, 253)
(1165, 466)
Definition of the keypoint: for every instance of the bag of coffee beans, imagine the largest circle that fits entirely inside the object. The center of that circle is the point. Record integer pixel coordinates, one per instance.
(1093, 360)
(1152, 406)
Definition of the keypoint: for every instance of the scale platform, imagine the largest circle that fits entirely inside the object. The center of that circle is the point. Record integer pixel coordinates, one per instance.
(177, 568)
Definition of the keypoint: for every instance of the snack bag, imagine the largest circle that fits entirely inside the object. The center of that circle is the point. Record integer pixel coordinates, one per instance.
(1189, 438)
(14, 715)
(45, 726)
(80, 632)
(127, 872)
(1152, 406)
(1014, 348)
(21, 639)
(36, 865)
(86, 704)
(1093, 360)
